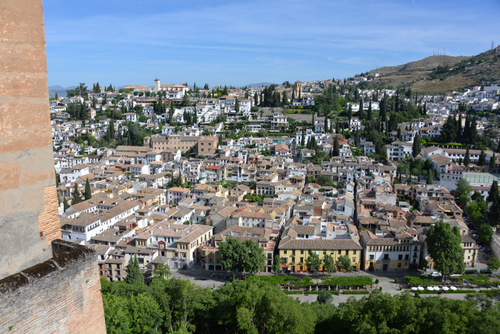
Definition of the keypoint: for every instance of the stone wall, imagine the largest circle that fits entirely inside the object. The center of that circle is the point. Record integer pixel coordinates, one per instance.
(28, 213)
(60, 295)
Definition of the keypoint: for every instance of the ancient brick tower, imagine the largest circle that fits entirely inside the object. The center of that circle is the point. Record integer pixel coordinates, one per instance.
(46, 285)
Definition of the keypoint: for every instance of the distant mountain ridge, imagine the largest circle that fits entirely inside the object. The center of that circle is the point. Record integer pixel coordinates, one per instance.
(440, 74)
(61, 91)
(260, 84)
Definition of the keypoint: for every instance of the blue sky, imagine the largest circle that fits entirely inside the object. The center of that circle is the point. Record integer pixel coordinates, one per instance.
(241, 42)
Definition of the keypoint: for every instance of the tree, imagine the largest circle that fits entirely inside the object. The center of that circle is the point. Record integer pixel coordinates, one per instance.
(482, 159)
(162, 270)
(324, 297)
(467, 157)
(134, 274)
(146, 315)
(237, 105)
(493, 162)
(344, 263)
(313, 262)
(417, 146)
(239, 256)
(65, 204)
(116, 314)
(328, 263)
(443, 245)
(171, 112)
(257, 307)
(493, 195)
(96, 88)
(494, 211)
(88, 191)
(336, 147)
(185, 100)
(494, 264)
(77, 198)
(463, 191)
(277, 264)
(285, 98)
(430, 177)
(485, 232)
(369, 112)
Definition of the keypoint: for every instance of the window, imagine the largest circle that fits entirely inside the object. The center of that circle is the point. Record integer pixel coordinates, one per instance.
(372, 257)
(400, 257)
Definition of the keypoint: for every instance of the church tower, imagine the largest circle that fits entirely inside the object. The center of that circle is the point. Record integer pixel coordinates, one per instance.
(298, 89)
(157, 85)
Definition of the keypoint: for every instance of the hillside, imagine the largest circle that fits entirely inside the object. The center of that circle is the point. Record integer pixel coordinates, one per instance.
(439, 74)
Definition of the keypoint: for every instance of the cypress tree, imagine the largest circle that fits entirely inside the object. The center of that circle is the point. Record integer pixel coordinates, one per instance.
(467, 157)
(417, 146)
(171, 112)
(237, 105)
(369, 113)
(493, 195)
(65, 204)
(134, 274)
(285, 98)
(482, 159)
(336, 147)
(77, 198)
(349, 115)
(430, 177)
(88, 191)
(493, 162)
(361, 112)
(494, 211)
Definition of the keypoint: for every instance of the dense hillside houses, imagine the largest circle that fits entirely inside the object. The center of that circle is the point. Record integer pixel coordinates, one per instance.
(165, 174)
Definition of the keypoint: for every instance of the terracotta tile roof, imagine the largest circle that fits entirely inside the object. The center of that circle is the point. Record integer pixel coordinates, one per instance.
(320, 244)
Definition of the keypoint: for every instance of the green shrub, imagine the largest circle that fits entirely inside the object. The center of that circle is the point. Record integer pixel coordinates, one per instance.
(349, 281)
(429, 292)
(460, 291)
(421, 280)
(324, 297)
(347, 292)
(332, 292)
(491, 293)
(292, 292)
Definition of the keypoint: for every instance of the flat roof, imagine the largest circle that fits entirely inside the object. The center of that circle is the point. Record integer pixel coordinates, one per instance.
(485, 178)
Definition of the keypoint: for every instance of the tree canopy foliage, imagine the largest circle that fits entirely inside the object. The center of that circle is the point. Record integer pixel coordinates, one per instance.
(246, 256)
(168, 306)
(443, 245)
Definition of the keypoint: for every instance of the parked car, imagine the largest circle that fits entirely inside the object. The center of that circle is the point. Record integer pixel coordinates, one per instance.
(436, 274)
